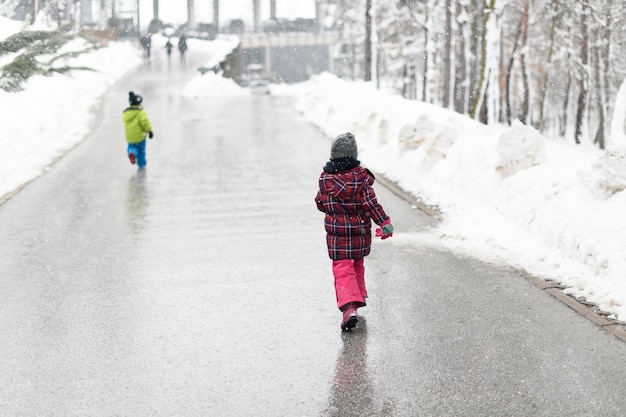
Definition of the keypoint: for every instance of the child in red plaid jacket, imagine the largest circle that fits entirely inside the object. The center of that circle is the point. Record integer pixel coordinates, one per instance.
(348, 199)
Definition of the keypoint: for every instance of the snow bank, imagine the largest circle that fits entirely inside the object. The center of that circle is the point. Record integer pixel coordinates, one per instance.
(211, 84)
(610, 172)
(518, 148)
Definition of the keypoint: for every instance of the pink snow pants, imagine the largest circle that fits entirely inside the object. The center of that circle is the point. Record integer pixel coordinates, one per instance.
(349, 282)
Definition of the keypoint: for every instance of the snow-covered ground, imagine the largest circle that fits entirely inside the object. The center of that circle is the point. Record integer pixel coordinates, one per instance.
(507, 195)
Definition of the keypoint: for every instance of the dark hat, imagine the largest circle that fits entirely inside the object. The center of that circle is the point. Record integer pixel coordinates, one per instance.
(134, 99)
(343, 145)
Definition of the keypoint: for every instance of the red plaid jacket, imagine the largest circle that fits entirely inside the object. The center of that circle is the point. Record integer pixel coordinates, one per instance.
(350, 204)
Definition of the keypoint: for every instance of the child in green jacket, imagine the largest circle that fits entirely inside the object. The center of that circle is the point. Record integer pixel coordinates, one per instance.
(136, 126)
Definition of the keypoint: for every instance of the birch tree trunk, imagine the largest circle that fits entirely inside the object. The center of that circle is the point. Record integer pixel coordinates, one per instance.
(460, 73)
(523, 117)
(476, 16)
(368, 41)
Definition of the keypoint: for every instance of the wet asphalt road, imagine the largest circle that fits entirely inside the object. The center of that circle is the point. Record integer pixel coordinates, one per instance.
(203, 288)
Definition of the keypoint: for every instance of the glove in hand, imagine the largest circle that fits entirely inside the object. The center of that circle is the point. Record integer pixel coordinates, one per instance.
(386, 230)
(150, 134)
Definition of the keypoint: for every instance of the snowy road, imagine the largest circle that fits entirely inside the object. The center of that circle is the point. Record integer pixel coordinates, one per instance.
(203, 288)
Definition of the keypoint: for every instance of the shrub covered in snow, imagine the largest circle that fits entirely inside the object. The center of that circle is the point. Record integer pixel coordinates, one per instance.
(37, 53)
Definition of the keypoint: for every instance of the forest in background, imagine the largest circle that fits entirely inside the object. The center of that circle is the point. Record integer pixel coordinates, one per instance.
(554, 64)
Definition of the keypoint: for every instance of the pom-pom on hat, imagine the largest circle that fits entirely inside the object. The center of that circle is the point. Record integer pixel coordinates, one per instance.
(134, 99)
(344, 145)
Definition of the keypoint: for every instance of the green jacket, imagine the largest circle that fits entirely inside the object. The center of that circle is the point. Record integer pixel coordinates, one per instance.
(136, 124)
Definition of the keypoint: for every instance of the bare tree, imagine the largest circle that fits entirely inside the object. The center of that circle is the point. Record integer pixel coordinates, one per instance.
(509, 75)
(523, 116)
(553, 13)
(447, 56)
(476, 19)
(426, 52)
(582, 75)
(482, 72)
(601, 33)
(598, 94)
(518, 53)
(350, 28)
(396, 46)
(460, 70)
(368, 41)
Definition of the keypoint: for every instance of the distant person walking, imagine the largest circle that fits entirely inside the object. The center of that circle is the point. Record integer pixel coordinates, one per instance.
(146, 44)
(136, 127)
(182, 47)
(168, 48)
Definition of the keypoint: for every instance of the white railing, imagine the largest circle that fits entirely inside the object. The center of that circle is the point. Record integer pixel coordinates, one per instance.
(259, 40)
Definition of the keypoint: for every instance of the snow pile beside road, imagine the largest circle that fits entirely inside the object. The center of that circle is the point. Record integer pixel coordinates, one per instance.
(519, 148)
(209, 82)
(216, 49)
(610, 172)
(549, 213)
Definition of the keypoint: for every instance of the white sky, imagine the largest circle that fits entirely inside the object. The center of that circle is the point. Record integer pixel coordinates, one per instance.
(175, 11)
(552, 219)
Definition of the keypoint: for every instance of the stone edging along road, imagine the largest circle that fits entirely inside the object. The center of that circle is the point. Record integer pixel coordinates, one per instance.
(581, 306)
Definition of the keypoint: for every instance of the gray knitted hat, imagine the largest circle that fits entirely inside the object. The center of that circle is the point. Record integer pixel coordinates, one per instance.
(343, 145)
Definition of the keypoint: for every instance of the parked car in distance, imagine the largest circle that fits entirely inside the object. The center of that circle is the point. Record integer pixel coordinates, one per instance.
(259, 87)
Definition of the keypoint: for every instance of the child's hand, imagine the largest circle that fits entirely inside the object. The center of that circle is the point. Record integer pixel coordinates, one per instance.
(386, 230)
(381, 234)
(150, 134)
